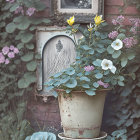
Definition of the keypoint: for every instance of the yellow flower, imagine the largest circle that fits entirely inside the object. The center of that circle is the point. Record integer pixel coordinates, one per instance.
(71, 21)
(90, 27)
(98, 20)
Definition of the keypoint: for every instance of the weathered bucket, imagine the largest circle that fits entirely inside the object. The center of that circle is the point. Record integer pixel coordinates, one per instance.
(81, 115)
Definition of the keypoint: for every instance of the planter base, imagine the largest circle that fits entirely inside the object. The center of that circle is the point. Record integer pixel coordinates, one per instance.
(101, 137)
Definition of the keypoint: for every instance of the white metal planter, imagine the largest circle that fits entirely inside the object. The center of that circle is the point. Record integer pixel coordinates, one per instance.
(81, 115)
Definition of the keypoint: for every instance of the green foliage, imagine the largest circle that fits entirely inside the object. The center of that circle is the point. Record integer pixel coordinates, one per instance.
(118, 135)
(42, 136)
(17, 77)
(95, 49)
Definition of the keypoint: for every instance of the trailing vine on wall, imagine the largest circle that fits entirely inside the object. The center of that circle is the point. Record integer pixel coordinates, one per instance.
(17, 63)
(125, 101)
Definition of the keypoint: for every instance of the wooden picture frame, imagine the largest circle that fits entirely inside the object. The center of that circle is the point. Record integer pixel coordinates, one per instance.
(83, 10)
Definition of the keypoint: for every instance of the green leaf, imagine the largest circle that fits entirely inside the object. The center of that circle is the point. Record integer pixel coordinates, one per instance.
(68, 90)
(31, 66)
(71, 84)
(57, 74)
(26, 37)
(99, 75)
(121, 78)
(85, 47)
(70, 71)
(97, 33)
(90, 92)
(49, 88)
(85, 79)
(65, 79)
(27, 57)
(45, 20)
(85, 86)
(24, 24)
(20, 46)
(121, 83)
(110, 50)
(124, 61)
(97, 62)
(26, 80)
(30, 46)
(121, 36)
(116, 53)
(91, 51)
(131, 55)
(95, 84)
(10, 28)
(14, 7)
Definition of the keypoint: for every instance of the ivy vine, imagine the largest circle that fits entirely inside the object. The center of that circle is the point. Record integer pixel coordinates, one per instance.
(17, 75)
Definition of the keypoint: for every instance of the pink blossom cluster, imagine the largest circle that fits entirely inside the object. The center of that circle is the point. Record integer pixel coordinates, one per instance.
(105, 85)
(8, 53)
(119, 20)
(11, 1)
(113, 34)
(89, 68)
(29, 12)
(135, 25)
(129, 42)
(19, 10)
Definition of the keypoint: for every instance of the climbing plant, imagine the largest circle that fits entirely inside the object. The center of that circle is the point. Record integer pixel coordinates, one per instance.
(18, 22)
(125, 101)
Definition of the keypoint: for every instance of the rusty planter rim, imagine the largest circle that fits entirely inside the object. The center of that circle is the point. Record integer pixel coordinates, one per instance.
(82, 91)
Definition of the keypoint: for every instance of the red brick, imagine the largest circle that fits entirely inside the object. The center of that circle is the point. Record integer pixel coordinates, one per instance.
(131, 10)
(114, 2)
(111, 10)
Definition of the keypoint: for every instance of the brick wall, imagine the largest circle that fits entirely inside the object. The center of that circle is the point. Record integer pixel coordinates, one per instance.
(47, 114)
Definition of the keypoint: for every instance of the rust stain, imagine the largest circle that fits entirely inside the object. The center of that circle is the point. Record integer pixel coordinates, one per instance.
(81, 132)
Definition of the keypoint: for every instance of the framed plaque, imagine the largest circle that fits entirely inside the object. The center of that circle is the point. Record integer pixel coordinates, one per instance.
(83, 10)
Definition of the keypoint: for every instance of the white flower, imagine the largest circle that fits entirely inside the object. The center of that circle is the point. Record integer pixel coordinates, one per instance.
(113, 69)
(117, 44)
(106, 64)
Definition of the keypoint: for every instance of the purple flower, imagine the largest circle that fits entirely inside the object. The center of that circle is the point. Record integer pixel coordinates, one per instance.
(113, 34)
(5, 50)
(2, 58)
(19, 10)
(89, 68)
(129, 42)
(30, 11)
(11, 54)
(7, 61)
(16, 51)
(105, 85)
(12, 47)
(118, 20)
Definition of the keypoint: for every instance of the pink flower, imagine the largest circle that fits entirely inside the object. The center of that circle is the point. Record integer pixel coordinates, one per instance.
(16, 51)
(19, 10)
(30, 11)
(5, 50)
(12, 47)
(11, 54)
(11, 1)
(129, 42)
(113, 34)
(118, 20)
(89, 68)
(7, 61)
(114, 22)
(105, 85)
(2, 58)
